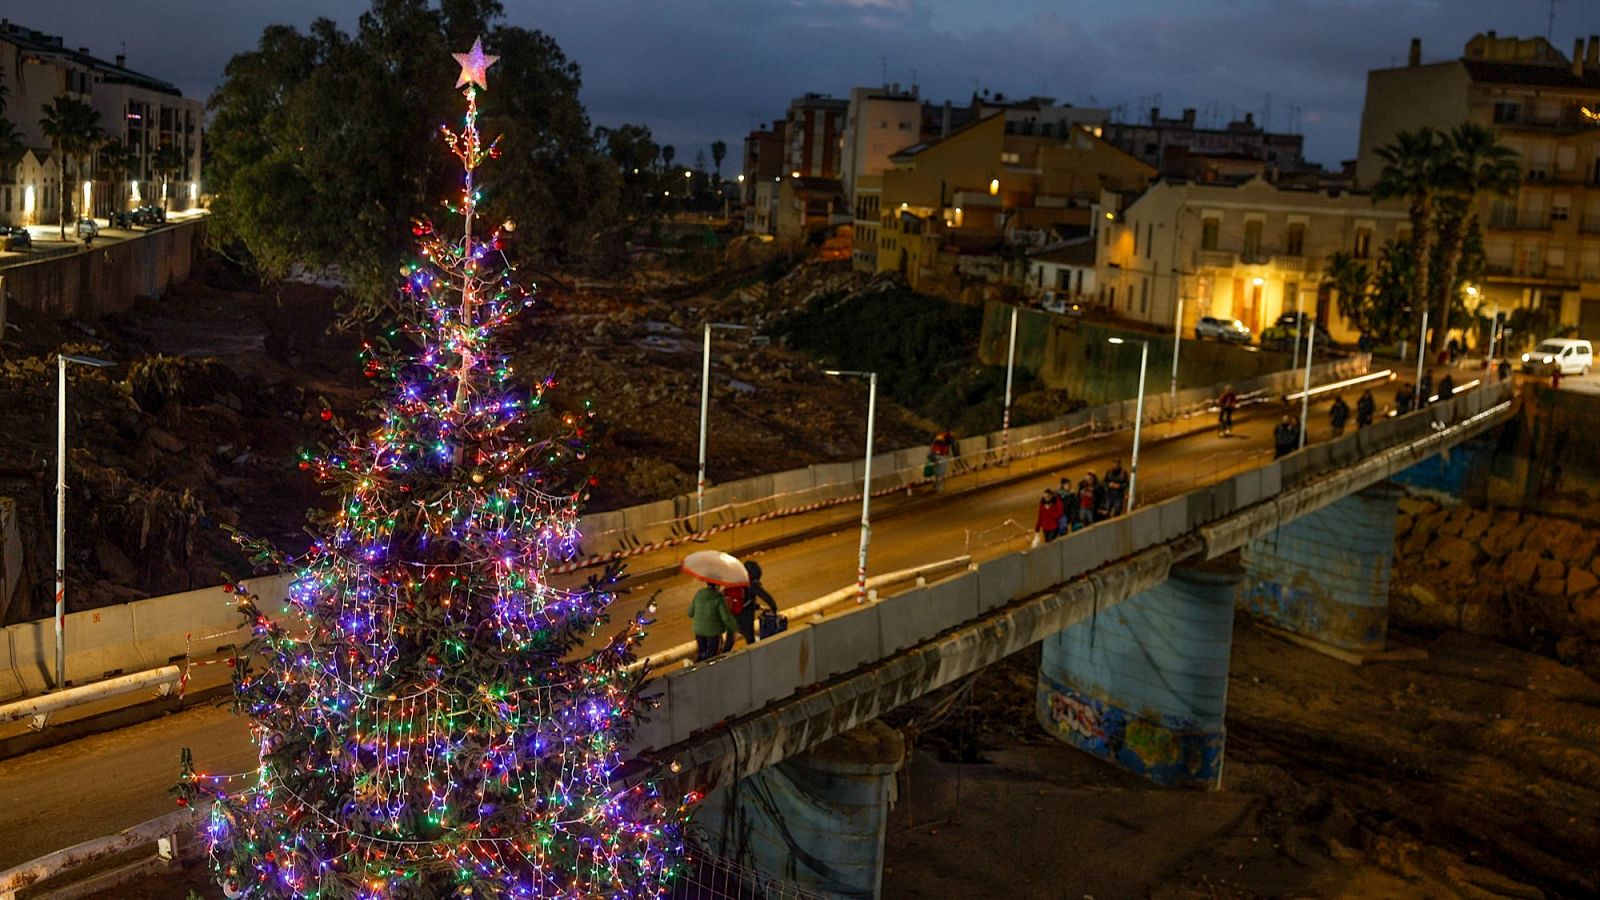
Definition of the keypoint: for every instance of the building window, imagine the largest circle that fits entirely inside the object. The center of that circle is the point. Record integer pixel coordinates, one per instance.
(1134, 227)
(1294, 243)
(1559, 206)
(1011, 159)
(1144, 295)
(1252, 240)
(1362, 249)
(1149, 238)
(1210, 229)
(1506, 111)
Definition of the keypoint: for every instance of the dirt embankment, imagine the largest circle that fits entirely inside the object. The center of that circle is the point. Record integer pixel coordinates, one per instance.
(220, 384)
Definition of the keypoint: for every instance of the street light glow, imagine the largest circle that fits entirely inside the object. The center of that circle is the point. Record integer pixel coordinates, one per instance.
(1258, 281)
(1115, 341)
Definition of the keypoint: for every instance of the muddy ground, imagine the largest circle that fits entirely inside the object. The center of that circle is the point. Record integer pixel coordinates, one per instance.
(220, 384)
(1471, 773)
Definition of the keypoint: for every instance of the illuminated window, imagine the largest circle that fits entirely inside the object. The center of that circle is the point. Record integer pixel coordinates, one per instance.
(1210, 230)
(1294, 243)
(1362, 247)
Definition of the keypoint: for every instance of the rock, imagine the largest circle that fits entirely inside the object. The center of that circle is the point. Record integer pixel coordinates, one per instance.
(165, 440)
(1402, 525)
(1500, 541)
(1551, 587)
(1415, 546)
(1415, 506)
(1422, 595)
(1451, 525)
(114, 562)
(1520, 567)
(1550, 570)
(1477, 526)
(1455, 552)
(1430, 522)
(1586, 613)
(1580, 581)
(1576, 549)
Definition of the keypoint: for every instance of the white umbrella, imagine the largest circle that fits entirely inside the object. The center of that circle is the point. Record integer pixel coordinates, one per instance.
(716, 567)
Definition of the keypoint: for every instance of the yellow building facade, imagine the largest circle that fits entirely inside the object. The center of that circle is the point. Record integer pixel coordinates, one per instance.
(1250, 251)
(950, 211)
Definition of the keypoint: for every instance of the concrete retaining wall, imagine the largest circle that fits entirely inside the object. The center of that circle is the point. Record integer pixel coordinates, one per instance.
(109, 277)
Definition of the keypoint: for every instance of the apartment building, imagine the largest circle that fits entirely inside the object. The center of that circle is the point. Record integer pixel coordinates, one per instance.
(1181, 148)
(956, 211)
(1250, 251)
(765, 164)
(142, 112)
(1542, 245)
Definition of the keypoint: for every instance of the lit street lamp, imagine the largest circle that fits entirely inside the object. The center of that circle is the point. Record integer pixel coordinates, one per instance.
(1011, 359)
(705, 406)
(61, 508)
(1305, 389)
(1177, 344)
(1138, 416)
(1422, 357)
(866, 478)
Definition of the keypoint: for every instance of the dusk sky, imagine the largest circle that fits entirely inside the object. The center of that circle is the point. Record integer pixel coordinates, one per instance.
(699, 70)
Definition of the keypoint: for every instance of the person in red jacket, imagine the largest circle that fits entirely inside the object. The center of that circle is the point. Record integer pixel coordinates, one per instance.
(1049, 521)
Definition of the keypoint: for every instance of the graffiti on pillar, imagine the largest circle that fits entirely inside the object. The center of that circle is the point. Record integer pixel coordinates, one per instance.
(1167, 749)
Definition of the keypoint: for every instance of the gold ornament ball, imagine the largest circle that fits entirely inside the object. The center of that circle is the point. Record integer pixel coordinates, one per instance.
(508, 225)
(477, 478)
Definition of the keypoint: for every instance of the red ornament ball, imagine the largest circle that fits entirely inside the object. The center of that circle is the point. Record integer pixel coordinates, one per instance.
(327, 415)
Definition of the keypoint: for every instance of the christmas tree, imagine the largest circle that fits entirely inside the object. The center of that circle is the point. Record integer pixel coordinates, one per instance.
(429, 722)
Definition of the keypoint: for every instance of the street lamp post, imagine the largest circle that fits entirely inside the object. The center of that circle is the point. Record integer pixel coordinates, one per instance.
(1295, 362)
(1305, 388)
(705, 407)
(1177, 343)
(61, 508)
(1422, 357)
(866, 478)
(1494, 330)
(1011, 360)
(1138, 416)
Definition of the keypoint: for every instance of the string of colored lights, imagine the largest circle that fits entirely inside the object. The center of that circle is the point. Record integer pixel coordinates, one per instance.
(428, 725)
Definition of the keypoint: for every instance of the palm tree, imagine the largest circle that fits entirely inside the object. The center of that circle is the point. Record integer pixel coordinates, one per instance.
(719, 152)
(73, 128)
(668, 152)
(167, 161)
(1351, 278)
(118, 159)
(1412, 169)
(1477, 166)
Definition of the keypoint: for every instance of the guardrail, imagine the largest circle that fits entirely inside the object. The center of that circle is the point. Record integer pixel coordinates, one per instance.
(155, 632)
(159, 834)
(161, 680)
(695, 698)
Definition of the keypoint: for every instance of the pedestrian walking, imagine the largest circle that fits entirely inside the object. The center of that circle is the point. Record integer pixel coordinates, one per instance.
(1454, 350)
(1504, 369)
(744, 602)
(1403, 398)
(1338, 414)
(1047, 525)
(1116, 489)
(943, 447)
(1226, 404)
(709, 615)
(1425, 392)
(1447, 386)
(1285, 438)
(1555, 378)
(1088, 495)
(1365, 408)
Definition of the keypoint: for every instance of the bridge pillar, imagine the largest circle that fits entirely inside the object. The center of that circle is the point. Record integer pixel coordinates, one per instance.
(815, 821)
(1144, 684)
(1325, 575)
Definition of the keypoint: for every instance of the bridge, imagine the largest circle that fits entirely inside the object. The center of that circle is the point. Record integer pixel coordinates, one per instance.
(1135, 616)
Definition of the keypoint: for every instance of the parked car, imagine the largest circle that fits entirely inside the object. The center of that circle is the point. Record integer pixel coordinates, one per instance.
(1060, 303)
(1569, 355)
(122, 220)
(149, 215)
(88, 228)
(1286, 331)
(1227, 330)
(17, 238)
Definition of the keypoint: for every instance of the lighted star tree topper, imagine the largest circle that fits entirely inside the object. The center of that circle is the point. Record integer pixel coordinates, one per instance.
(429, 724)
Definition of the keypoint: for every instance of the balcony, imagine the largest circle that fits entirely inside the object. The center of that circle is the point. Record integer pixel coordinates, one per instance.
(1524, 222)
(1217, 259)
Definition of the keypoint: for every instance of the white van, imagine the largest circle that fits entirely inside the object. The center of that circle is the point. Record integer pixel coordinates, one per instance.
(1568, 355)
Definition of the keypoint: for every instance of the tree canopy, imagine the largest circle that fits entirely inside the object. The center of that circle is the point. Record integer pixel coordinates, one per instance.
(324, 145)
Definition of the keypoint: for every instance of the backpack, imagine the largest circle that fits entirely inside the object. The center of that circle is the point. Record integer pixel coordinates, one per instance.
(735, 597)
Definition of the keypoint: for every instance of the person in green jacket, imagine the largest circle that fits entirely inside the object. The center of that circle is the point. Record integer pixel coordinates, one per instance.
(709, 612)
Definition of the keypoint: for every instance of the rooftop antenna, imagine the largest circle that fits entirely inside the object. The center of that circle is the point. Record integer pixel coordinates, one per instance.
(1550, 23)
(883, 65)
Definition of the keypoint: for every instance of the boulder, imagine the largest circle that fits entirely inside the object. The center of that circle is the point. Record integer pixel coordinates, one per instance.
(1455, 553)
(1551, 587)
(1415, 506)
(1580, 581)
(1586, 613)
(1402, 525)
(1477, 526)
(1550, 569)
(1520, 567)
